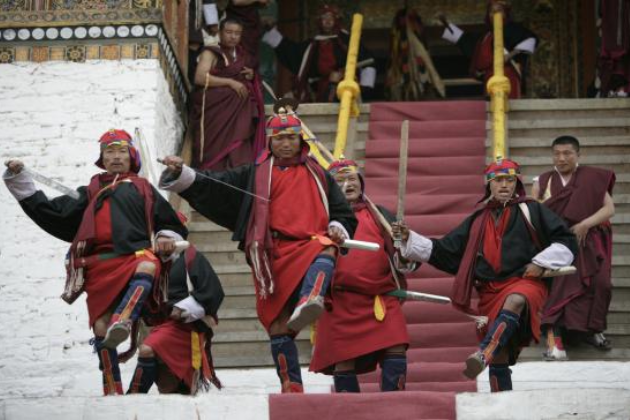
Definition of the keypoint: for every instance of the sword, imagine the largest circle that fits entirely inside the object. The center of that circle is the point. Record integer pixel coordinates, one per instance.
(402, 178)
(56, 185)
(364, 245)
(480, 320)
(419, 296)
(562, 271)
(223, 183)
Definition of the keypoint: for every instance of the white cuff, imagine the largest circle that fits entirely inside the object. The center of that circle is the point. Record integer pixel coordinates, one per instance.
(453, 35)
(554, 256)
(173, 235)
(272, 37)
(368, 77)
(191, 309)
(340, 226)
(182, 183)
(417, 247)
(21, 185)
(528, 46)
(404, 268)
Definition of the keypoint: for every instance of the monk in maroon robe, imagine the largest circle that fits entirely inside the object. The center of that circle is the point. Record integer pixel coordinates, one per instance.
(582, 196)
(227, 114)
(363, 326)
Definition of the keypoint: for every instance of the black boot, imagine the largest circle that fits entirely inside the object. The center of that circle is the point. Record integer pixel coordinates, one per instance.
(285, 356)
(346, 381)
(108, 364)
(500, 377)
(393, 372)
(144, 376)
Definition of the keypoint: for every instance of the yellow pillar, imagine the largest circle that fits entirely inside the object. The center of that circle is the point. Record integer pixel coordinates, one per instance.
(499, 90)
(348, 89)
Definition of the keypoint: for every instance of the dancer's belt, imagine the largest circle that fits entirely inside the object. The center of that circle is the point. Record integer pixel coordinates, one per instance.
(90, 259)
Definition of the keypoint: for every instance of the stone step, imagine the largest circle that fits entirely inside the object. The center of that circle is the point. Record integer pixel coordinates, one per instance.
(577, 354)
(567, 123)
(552, 105)
(250, 336)
(587, 143)
(254, 354)
(563, 114)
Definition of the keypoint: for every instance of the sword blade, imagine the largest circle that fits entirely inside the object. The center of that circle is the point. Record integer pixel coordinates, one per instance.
(419, 296)
(43, 179)
(364, 245)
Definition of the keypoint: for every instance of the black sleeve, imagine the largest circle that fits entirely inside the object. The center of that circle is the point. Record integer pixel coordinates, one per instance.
(339, 208)
(291, 53)
(60, 217)
(165, 218)
(208, 290)
(447, 252)
(217, 201)
(551, 227)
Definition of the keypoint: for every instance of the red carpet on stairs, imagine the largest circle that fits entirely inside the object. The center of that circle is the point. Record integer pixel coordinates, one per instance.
(444, 182)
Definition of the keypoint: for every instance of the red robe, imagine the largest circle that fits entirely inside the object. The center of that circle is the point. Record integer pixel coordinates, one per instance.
(349, 330)
(172, 342)
(106, 279)
(580, 301)
(233, 127)
(492, 294)
(296, 222)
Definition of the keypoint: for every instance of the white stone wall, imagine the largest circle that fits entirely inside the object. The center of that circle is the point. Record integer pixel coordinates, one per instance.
(51, 116)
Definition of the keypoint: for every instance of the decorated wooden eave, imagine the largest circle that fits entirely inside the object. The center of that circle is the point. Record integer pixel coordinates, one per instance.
(81, 30)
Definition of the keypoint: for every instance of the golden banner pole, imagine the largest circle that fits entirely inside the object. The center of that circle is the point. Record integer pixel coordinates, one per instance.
(348, 89)
(499, 90)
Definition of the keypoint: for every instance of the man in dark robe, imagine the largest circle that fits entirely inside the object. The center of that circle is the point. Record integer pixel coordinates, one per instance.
(177, 352)
(518, 41)
(319, 63)
(614, 56)
(289, 230)
(364, 326)
(501, 251)
(582, 196)
(227, 114)
(113, 227)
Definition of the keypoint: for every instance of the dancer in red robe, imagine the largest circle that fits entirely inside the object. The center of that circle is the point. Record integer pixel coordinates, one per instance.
(363, 326)
(501, 251)
(112, 225)
(582, 195)
(288, 228)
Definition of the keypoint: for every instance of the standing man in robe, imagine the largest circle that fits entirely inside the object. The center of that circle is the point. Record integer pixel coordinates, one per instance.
(227, 112)
(501, 251)
(519, 43)
(117, 226)
(319, 63)
(363, 326)
(582, 196)
(289, 229)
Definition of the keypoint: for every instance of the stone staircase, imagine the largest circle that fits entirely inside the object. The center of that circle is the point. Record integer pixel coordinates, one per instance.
(603, 127)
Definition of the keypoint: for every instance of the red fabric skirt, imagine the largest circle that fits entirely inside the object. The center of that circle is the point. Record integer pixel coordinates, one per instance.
(172, 343)
(492, 296)
(292, 260)
(351, 331)
(106, 280)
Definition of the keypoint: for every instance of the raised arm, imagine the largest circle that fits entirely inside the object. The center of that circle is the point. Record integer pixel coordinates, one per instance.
(60, 216)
